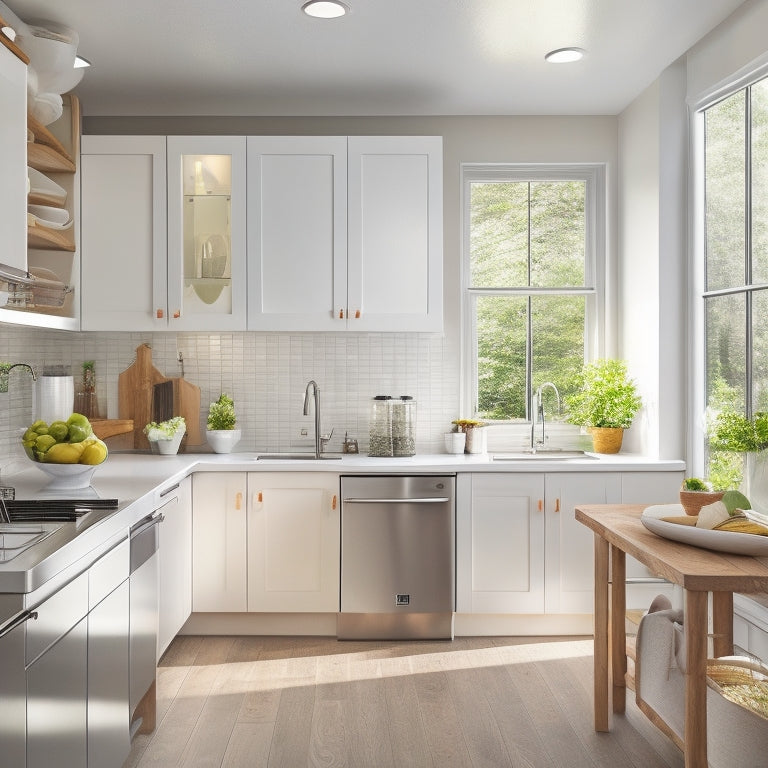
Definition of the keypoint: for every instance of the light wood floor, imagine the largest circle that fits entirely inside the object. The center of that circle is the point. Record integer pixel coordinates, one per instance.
(276, 701)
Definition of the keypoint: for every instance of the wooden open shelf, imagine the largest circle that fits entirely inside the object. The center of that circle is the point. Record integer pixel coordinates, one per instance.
(44, 238)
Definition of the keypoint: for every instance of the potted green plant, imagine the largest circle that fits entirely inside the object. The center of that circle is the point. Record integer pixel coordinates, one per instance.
(165, 436)
(696, 493)
(605, 401)
(733, 432)
(221, 432)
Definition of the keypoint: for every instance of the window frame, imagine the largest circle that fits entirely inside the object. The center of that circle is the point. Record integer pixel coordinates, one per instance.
(697, 106)
(594, 177)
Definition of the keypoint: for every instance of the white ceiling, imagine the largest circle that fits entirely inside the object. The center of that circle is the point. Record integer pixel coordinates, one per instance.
(386, 57)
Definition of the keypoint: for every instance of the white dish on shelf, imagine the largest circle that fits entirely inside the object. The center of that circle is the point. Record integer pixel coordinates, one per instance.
(40, 184)
(720, 541)
(47, 108)
(48, 216)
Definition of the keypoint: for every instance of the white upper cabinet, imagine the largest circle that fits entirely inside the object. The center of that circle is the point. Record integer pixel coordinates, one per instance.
(345, 233)
(395, 233)
(13, 139)
(297, 232)
(206, 233)
(123, 240)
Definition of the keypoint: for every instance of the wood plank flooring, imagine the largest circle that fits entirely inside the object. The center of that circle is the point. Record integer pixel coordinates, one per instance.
(248, 702)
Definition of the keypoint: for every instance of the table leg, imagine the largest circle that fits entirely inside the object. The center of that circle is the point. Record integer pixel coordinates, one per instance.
(618, 638)
(695, 748)
(722, 623)
(601, 634)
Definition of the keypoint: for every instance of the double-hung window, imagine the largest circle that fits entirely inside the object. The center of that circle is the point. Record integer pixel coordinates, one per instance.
(532, 240)
(732, 246)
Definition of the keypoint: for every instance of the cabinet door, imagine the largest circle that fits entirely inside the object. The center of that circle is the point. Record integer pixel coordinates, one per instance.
(109, 740)
(293, 542)
(395, 225)
(175, 565)
(57, 694)
(570, 545)
(13, 140)
(500, 545)
(219, 572)
(206, 233)
(297, 233)
(123, 233)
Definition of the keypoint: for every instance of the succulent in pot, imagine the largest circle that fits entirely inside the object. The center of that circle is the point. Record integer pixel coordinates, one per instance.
(221, 432)
(606, 401)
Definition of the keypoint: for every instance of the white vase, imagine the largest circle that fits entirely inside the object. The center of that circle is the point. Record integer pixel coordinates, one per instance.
(755, 483)
(223, 440)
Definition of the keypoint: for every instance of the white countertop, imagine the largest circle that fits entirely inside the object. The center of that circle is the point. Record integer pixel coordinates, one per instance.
(137, 481)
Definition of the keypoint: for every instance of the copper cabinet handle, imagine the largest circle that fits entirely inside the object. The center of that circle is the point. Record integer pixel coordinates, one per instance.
(541, 505)
(357, 314)
(238, 500)
(557, 505)
(160, 314)
(177, 314)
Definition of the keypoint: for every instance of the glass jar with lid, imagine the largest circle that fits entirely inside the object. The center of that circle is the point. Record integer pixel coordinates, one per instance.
(381, 426)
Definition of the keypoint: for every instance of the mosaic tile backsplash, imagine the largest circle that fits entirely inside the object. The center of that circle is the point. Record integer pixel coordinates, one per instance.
(266, 374)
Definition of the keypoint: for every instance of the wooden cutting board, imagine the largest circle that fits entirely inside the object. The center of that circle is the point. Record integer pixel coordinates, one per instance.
(136, 389)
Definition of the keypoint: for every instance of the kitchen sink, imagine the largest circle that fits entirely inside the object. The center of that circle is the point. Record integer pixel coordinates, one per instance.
(554, 455)
(296, 456)
(15, 538)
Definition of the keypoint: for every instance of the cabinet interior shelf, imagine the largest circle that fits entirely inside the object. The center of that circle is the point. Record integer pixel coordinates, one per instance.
(46, 153)
(50, 239)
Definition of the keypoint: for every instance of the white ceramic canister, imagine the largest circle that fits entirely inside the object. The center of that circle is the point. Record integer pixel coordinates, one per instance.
(54, 395)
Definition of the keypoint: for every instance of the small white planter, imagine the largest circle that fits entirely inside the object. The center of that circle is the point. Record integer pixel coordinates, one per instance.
(169, 446)
(223, 440)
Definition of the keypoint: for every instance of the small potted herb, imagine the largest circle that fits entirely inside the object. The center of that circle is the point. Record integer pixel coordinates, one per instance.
(476, 441)
(606, 401)
(221, 431)
(695, 493)
(166, 436)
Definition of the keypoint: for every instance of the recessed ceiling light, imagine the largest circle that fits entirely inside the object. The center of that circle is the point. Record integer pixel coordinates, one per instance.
(564, 55)
(80, 62)
(324, 9)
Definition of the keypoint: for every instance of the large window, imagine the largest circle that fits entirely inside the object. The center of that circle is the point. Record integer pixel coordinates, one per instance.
(735, 254)
(531, 239)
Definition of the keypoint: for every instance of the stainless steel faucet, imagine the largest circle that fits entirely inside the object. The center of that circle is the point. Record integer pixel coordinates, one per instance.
(537, 408)
(320, 439)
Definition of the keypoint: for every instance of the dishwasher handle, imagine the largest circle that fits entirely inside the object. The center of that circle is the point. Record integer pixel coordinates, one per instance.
(381, 500)
(144, 540)
(18, 621)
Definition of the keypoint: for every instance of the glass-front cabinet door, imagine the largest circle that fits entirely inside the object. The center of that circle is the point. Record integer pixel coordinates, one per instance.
(206, 233)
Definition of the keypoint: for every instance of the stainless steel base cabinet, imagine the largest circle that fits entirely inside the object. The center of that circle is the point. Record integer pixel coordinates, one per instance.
(57, 679)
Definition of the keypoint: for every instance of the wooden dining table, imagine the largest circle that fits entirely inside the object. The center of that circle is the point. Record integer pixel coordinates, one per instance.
(618, 532)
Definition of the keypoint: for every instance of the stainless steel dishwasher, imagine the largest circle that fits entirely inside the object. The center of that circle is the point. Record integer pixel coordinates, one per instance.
(397, 557)
(143, 612)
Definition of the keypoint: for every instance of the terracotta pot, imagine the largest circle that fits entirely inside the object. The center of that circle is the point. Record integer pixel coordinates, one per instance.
(693, 501)
(607, 439)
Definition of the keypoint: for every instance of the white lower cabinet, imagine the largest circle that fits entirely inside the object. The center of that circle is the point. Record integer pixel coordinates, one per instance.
(219, 575)
(265, 542)
(519, 548)
(293, 542)
(175, 563)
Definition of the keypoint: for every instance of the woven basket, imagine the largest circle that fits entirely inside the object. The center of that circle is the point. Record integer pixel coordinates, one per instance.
(693, 501)
(741, 681)
(607, 439)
